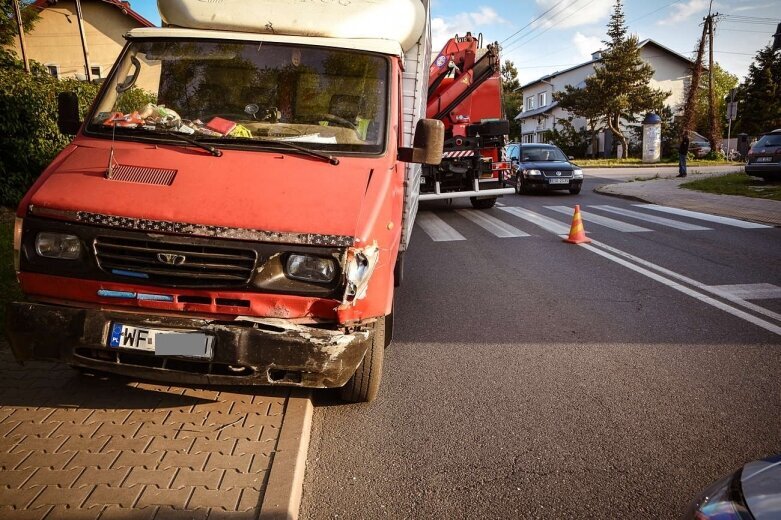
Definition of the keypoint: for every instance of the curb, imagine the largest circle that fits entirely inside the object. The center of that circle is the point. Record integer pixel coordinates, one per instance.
(282, 498)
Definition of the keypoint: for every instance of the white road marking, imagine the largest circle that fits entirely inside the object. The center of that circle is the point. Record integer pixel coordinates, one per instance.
(597, 248)
(750, 291)
(662, 221)
(624, 227)
(548, 224)
(500, 204)
(491, 224)
(672, 274)
(436, 228)
(704, 216)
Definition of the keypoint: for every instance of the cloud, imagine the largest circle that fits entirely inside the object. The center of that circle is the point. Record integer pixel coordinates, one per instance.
(682, 11)
(751, 7)
(573, 13)
(586, 45)
(442, 29)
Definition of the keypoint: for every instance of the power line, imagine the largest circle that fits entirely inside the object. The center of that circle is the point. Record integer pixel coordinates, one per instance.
(652, 12)
(551, 19)
(549, 28)
(528, 24)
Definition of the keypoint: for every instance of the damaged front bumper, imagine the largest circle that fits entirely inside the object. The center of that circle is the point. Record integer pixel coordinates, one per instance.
(246, 351)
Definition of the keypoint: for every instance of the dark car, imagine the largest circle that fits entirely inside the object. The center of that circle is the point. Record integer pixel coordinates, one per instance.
(751, 493)
(543, 167)
(699, 146)
(764, 158)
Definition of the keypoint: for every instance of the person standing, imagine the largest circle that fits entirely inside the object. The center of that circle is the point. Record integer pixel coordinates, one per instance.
(683, 151)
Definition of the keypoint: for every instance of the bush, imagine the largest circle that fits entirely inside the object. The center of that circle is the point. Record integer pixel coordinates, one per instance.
(28, 123)
(571, 141)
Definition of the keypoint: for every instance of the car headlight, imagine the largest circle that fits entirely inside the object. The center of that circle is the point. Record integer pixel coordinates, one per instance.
(58, 245)
(311, 268)
(532, 173)
(17, 242)
(722, 500)
(577, 174)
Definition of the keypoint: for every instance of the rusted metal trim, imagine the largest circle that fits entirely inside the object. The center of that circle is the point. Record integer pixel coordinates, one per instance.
(183, 228)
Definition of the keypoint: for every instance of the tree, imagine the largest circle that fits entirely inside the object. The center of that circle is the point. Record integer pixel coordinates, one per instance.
(759, 97)
(723, 82)
(8, 27)
(618, 91)
(512, 97)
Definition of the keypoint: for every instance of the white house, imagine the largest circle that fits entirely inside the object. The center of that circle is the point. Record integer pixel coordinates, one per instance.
(540, 112)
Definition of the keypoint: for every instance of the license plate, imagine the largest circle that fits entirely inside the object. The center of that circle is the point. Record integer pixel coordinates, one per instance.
(764, 159)
(161, 342)
(558, 181)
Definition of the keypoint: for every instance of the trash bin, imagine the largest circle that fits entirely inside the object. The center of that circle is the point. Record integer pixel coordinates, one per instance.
(652, 138)
(743, 144)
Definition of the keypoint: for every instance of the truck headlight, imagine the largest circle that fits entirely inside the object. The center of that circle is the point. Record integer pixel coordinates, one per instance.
(311, 268)
(577, 174)
(532, 173)
(58, 245)
(17, 242)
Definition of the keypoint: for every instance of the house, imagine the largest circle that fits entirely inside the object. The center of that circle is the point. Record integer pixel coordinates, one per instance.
(540, 112)
(55, 41)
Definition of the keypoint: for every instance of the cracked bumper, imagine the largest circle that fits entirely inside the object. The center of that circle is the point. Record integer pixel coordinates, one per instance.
(249, 351)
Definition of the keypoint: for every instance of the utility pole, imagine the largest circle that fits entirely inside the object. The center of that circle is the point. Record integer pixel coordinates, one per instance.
(691, 95)
(83, 40)
(714, 130)
(20, 25)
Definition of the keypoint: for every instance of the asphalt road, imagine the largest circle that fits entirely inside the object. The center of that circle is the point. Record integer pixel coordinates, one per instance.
(530, 378)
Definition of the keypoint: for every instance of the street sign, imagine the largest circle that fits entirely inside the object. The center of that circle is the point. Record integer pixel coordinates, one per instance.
(732, 110)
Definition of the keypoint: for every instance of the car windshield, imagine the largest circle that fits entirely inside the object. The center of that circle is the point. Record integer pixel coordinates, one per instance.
(248, 93)
(769, 140)
(538, 153)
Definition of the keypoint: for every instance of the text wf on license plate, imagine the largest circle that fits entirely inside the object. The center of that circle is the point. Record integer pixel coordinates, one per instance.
(161, 342)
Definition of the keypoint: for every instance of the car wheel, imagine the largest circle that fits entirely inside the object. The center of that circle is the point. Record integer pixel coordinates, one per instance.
(520, 187)
(575, 191)
(365, 383)
(482, 203)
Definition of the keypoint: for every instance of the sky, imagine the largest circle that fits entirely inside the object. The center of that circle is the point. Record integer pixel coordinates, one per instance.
(544, 36)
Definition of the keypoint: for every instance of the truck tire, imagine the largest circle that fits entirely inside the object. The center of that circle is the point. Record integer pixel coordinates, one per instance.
(365, 383)
(482, 203)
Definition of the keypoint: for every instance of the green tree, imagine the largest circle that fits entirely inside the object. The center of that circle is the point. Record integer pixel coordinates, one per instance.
(723, 82)
(8, 27)
(512, 98)
(759, 97)
(618, 91)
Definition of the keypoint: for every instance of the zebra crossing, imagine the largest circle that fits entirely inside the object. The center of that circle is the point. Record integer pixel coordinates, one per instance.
(556, 219)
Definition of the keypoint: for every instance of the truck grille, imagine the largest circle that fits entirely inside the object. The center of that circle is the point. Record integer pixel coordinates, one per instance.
(174, 263)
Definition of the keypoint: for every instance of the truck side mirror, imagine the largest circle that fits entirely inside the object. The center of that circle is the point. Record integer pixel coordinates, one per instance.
(68, 113)
(427, 145)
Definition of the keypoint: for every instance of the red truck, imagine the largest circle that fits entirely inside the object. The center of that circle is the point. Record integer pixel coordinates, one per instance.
(465, 93)
(232, 209)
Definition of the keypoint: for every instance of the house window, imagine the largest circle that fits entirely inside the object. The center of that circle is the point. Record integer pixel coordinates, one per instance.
(54, 70)
(96, 72)
(528, 138)
(543, 99)
(530, 103)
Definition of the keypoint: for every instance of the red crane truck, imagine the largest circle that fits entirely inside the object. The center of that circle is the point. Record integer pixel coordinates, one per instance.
(465, 93)
(233, 206)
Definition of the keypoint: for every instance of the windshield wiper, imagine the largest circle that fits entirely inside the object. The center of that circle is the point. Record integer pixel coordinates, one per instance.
(330, 159)
(209, 148)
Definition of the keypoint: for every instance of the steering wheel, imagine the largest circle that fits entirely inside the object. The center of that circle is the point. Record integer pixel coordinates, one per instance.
(336, 119)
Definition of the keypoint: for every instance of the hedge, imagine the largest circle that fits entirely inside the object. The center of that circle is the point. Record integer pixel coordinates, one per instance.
(29, 138)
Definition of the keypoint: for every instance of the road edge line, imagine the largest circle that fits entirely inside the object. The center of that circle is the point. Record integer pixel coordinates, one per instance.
(282, 497)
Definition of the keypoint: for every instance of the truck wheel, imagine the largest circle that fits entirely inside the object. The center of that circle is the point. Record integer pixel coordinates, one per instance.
(482, 203)
(365, 383)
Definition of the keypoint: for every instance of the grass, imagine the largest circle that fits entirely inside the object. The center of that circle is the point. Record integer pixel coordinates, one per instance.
(9, 289)
(634, 162)
(737, 184)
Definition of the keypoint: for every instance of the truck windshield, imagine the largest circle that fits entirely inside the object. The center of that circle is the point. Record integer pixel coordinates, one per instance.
(247, 93)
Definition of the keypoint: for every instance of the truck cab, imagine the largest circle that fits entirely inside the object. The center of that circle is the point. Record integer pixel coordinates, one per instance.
(232, 208)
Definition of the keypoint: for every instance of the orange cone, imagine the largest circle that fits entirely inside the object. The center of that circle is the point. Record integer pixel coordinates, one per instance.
(577, 234)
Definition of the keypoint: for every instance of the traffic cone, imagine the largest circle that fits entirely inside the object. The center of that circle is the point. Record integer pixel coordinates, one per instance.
(577, 235)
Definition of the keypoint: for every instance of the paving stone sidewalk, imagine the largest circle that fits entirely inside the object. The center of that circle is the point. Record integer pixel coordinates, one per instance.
(87, 447)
